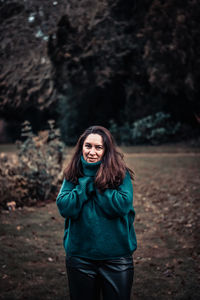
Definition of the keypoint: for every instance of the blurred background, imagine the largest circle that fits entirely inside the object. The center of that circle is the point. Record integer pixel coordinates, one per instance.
(131, 66)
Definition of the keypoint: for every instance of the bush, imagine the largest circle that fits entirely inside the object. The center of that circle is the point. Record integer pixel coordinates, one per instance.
(35, 175)
(154, 129)
(122, 134)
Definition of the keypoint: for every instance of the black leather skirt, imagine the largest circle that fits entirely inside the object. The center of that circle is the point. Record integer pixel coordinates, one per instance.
(100, 279)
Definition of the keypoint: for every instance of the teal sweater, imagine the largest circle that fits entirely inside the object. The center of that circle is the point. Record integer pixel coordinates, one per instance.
(97, 225)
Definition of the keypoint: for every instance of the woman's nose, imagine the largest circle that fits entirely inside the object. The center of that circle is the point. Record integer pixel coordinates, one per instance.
(92, 151)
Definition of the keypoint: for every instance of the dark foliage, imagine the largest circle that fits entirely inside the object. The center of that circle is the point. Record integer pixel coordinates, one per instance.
(107, 60)
(154, 129)
(125, 60)
(26, 86)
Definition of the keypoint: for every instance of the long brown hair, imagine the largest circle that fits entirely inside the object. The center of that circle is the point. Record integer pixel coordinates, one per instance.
(112, 169)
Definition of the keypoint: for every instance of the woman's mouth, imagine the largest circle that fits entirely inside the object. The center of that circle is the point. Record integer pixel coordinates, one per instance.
(91, 158)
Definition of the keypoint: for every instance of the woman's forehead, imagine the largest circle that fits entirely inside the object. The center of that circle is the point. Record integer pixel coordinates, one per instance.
(94, 138)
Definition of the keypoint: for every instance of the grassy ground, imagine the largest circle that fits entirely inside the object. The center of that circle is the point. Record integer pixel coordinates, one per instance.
(166, 200)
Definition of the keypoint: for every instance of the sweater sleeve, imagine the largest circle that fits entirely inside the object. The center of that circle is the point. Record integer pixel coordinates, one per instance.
(71, 198)
(116, 203)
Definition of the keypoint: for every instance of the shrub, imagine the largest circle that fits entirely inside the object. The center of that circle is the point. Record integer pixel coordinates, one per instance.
(35, 175)
(122, 134)
(154, 129)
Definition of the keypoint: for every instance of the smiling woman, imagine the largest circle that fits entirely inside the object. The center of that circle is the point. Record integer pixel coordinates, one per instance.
(93, 148)
(96, 200)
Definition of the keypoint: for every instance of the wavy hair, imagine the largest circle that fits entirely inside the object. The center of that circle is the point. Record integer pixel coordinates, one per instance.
(112, 169)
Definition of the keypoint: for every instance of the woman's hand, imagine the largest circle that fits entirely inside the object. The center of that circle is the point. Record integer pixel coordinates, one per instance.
(71, 198)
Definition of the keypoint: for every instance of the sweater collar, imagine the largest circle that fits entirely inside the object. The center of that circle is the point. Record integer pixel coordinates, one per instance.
(89, 169)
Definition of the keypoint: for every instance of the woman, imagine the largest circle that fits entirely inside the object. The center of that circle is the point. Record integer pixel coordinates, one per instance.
(96, 201)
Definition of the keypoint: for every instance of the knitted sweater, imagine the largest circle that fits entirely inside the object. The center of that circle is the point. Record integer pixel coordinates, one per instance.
(97, 225)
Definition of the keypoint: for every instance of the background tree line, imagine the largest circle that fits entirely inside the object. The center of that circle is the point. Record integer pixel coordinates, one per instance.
(127, 65)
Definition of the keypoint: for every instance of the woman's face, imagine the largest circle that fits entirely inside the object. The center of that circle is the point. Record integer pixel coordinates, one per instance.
(93, 148)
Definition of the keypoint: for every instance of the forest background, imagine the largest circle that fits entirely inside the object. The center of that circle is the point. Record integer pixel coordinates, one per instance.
(132, 66)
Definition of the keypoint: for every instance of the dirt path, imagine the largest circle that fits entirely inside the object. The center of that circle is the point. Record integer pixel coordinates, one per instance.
(166, 200)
